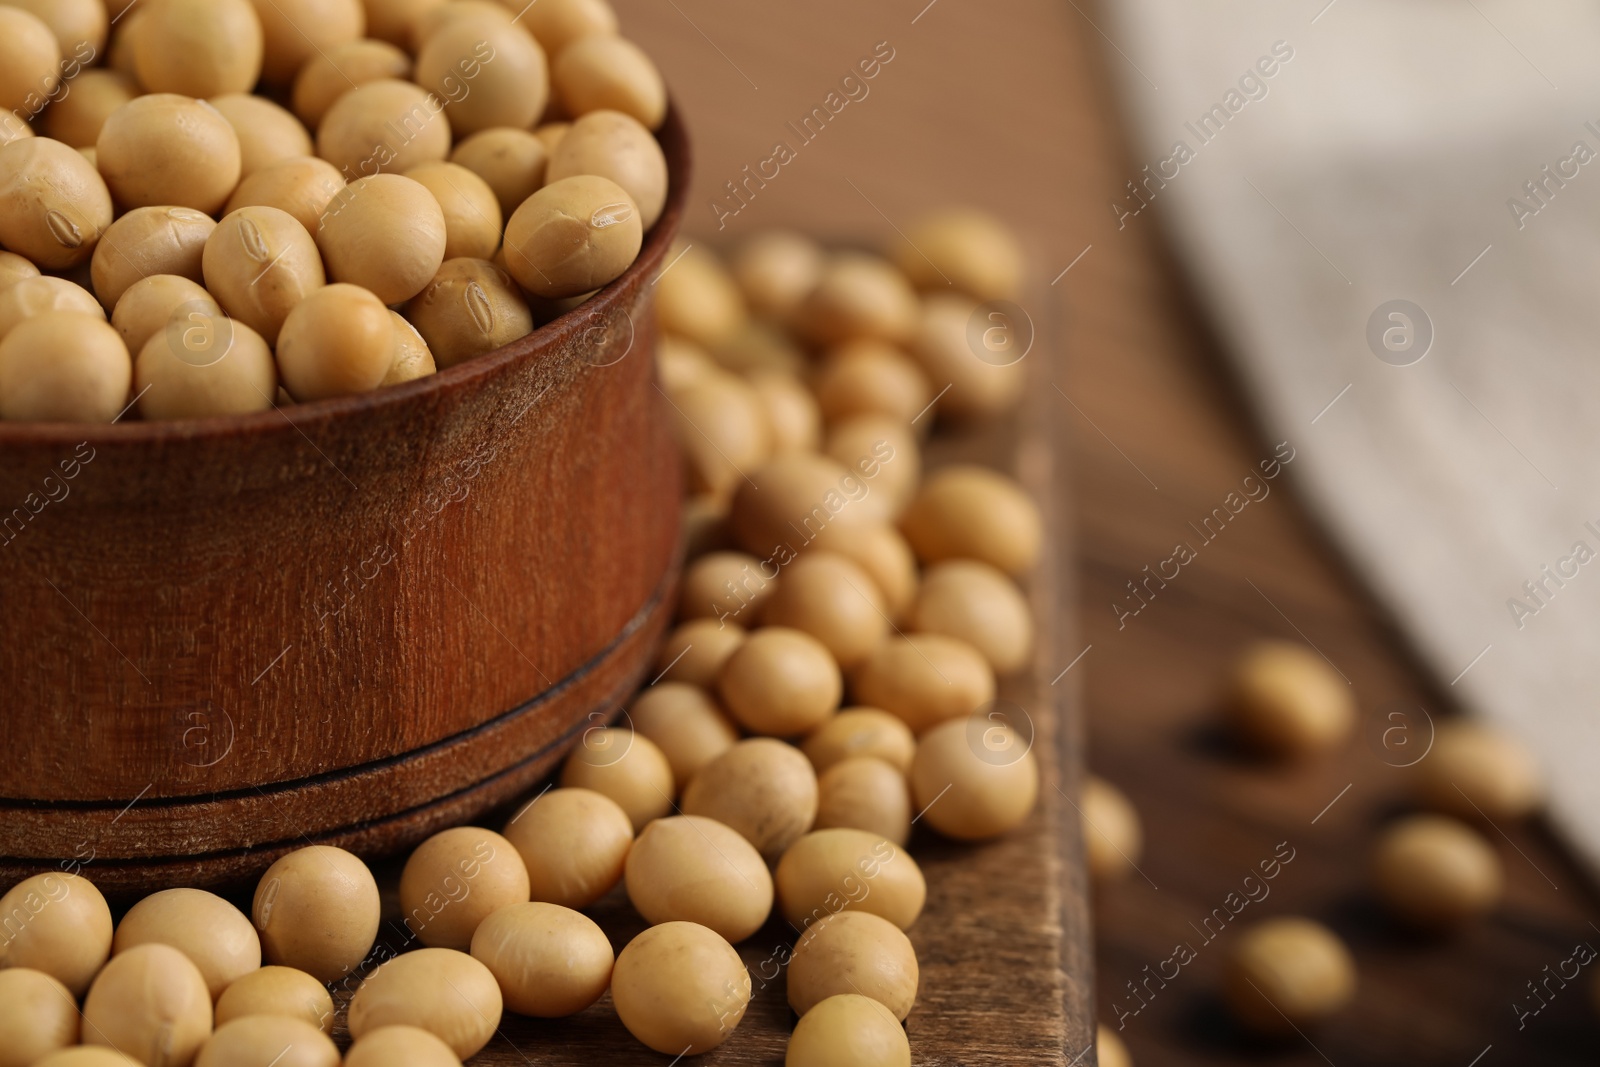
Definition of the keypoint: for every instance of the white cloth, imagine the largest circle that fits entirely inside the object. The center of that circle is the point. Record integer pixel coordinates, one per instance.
(1379, 164)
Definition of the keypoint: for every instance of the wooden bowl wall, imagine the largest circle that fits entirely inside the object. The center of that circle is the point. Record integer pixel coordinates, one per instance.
(349, 622)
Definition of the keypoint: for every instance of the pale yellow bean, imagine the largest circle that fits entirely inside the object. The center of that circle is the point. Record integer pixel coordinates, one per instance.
(455, 880)
(601, 71)
(848, 1030)
(857, 732)
(925, 679)
(150, 1002)
(1286, 974)
(624, 766)
(549, 961)
(1286, 700)
(853, 952)
(828, 871)
(680, 988)
(200, 48)
(764, 789)
(446, 992)
(689, 727)
(573, 843)
(169, 149)
(267, 133)
(215, 935)
(53, 205)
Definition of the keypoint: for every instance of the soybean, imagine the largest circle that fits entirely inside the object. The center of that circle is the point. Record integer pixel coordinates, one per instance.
(301, 187)
(980, 605)
(274, 990)
(970, 512)
(386, 125)
(215, 935)
(698, 299)
(557, 23)
(975, 778)
(30, 60)
(511, 162)
(853, 952)
(686, 724)
(268, 1041)
(605, 72)
(626, 767)
(338, 341)
(763, 788)
(573, 843)
(859, 297)
(293, 31)
(614, 145)
(63, 366)
(963, 247)
(329, 75)
(150, 1002)
(38, 1016)
(848, 1030)
(455, 880)
(267, 133)
(831, 599)
(695, 652)
(695, 869)
(1287, 701)
(925, 679)
(723, 429)
(1477, 773)
(400, 1046)
(1112, 835)
(317, 910)
(385, 233)
(53, 204)
(169, 149)
(777, 270)
(572, 236)
(858, 732)
(146, 241)
(25, 298)
(412, 359)
(484, 85)
(1287, 973)
(680, 988)
(868, 377)
(471, 210)
(77, 118)
(471, 308)
(259, 264)
(448, 993)
(1436, 873)
(162, 302)
(200, 48)
(829, 871)
(864, 793)
(549, 961)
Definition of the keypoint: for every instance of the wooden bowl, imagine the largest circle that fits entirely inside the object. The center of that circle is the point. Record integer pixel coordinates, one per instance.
(350, 622)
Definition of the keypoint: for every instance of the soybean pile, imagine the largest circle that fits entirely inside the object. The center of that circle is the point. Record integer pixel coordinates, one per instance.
(215, 207)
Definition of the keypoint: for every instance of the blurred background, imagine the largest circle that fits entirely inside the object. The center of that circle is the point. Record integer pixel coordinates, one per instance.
(1225, 207)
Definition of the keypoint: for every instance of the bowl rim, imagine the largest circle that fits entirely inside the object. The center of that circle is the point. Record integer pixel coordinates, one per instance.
(673, 138)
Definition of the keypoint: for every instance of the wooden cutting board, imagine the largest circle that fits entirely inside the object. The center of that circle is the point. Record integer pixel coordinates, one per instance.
(1003, 944)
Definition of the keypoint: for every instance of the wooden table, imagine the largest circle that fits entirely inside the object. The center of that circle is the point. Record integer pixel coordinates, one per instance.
(1007, 104)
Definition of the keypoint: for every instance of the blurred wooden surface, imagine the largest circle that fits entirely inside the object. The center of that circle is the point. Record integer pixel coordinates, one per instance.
(1006, 104)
